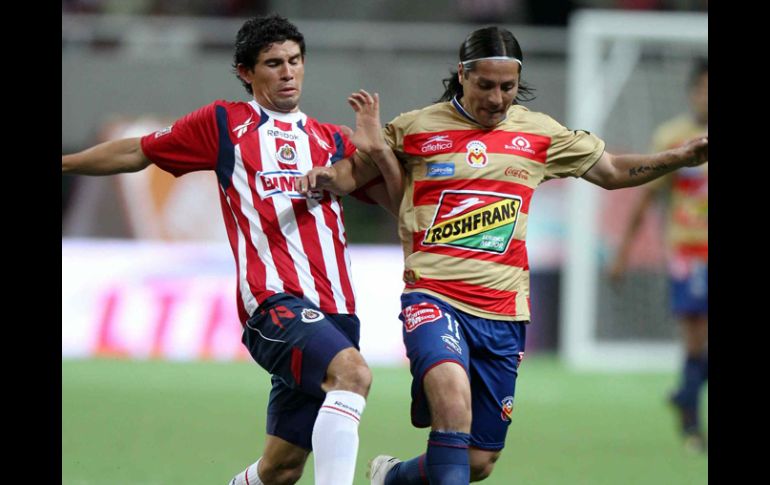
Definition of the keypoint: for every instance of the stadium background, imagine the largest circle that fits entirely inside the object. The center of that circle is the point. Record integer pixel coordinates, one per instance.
(151, 358)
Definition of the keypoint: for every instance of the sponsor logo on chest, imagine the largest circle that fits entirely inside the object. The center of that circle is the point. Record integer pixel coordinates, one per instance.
(477, 221)
(277, 182)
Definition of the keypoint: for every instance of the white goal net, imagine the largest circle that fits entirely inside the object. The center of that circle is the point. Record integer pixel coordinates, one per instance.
(627, 73)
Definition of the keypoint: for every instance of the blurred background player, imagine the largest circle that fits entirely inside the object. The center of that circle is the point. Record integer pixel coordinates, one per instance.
(685, 194)
(295, 296)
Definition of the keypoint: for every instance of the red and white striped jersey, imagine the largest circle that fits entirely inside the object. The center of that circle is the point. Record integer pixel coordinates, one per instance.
(282, 241)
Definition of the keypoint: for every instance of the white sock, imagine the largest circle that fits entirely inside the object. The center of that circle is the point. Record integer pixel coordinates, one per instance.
(335, 438)
(248, 476)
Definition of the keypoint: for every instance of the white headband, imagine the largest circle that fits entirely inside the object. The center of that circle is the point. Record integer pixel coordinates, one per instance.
(493, 58)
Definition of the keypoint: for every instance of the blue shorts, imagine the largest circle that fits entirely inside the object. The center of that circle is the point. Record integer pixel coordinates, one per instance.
(690, 288)
(489, 350)
(295, 342)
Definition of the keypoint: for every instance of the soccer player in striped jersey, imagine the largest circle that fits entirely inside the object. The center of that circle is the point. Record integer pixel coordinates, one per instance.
(686, 194)
(294, 292)
(471, 163)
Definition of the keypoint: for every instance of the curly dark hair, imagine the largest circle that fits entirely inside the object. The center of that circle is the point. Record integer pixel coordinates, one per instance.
(486, 42)
(257, 34)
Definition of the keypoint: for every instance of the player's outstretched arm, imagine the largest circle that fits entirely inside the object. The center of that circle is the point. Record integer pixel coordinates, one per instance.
(107, 158)
(619, 171)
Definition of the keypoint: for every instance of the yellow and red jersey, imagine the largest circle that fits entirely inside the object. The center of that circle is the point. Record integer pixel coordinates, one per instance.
(687, 217)
(463, 219)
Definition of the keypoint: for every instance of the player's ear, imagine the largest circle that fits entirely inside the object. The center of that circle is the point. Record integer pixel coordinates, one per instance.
(460, 72)
(245, 73)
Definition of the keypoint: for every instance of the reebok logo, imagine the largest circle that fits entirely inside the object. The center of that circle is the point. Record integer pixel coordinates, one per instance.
(241, 129)
(282, 134)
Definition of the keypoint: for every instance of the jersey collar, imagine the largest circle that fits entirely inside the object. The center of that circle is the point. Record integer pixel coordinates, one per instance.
(462, 111)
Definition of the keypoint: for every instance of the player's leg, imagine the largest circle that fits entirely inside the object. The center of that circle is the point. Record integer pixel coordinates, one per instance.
(441, 397)
(281, 463)
(335, 433)
(690, 304)
(496, 352)
(310, 353)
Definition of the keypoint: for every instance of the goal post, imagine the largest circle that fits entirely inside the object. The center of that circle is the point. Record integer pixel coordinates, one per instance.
(626, 74)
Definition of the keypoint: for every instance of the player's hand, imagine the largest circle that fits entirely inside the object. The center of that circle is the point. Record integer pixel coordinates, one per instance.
(317, 179)
(368, 134)
(696, 151)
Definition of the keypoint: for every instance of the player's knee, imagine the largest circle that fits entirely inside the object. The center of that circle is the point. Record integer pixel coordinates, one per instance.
(284, 472)
(348, 372)
(482, 465)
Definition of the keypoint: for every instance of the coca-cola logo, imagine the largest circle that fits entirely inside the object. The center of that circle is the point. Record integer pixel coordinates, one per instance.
(518, 173)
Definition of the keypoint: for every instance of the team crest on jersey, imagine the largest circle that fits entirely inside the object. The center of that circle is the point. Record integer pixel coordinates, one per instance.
(311, 316)
(507, 408)
(420, 314)
(287, 154)
(477, 154)
(477, 221)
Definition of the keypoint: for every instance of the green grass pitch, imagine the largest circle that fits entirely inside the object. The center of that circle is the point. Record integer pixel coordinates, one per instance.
(158, 423)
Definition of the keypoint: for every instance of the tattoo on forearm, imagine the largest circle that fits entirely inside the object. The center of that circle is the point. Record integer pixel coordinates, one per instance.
(633, 172)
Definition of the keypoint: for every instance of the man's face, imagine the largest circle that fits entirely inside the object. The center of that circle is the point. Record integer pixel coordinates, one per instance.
(489, 90)
(699, 98)
(276, 79)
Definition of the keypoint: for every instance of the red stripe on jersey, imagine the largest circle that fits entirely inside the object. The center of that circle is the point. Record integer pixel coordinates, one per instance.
(271, 227)
(527, 145)
(428, 192)
(498, 301)
(515, 256)
(282, 125)
(690, 184)
(232, 235)
(330, 218)
(255, 269)
(311, 243)
(700, 251)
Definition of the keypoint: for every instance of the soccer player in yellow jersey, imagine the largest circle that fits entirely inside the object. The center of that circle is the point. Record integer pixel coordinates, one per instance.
(470, 164)
(687, 244)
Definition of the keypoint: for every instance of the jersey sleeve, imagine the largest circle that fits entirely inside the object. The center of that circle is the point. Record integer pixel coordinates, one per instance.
(572, 152)
(343, 147)
(188, 145)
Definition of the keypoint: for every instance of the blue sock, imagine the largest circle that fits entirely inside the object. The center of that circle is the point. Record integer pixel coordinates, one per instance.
(447, 458)
(704, 370)
(694, 374)
(410, 472)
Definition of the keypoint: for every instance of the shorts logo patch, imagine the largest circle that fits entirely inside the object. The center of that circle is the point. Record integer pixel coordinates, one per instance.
(507, 408)
(309, 315)
(452, 344)
(477, 154)
(419, 314)
(478, 221)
